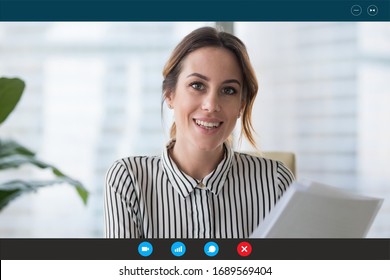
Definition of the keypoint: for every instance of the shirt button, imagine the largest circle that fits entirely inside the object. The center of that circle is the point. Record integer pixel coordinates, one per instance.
(201, 185)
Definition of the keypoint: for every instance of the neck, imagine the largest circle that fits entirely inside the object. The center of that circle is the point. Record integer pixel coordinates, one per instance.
(196, 163)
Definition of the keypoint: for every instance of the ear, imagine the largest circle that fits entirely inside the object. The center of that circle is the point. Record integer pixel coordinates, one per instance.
(241, 109)
(169, 98)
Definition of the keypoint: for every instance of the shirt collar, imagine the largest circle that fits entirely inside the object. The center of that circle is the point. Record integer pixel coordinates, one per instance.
(185, 184)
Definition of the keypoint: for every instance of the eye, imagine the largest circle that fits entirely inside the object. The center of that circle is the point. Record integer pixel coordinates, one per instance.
(197, 86)
(229, 91)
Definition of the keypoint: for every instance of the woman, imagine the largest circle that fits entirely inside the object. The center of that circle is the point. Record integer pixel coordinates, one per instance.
(199, 187)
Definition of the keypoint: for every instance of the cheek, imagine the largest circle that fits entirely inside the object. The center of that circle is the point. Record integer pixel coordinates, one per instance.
(185, 103)
(233, 109)
(183, 108)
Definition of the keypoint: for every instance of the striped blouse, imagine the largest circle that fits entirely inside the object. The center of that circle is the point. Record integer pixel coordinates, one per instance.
(150, 197)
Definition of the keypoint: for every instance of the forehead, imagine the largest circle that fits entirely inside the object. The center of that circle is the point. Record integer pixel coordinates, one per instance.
(212, 61)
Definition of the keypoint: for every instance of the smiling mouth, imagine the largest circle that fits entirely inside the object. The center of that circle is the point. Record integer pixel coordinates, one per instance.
(207, 125)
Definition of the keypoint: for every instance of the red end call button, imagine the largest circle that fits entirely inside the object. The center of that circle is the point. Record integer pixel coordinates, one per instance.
(244, 249)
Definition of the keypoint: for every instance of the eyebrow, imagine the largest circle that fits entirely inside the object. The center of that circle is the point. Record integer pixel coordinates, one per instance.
(207, 79)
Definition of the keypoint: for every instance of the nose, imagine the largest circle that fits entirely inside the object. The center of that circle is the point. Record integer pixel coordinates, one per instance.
(211, 103)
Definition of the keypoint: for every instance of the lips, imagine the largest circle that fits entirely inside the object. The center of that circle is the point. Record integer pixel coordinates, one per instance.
(207, 124)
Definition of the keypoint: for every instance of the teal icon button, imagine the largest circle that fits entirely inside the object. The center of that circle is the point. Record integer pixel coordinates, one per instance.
(372, 10)
(211, 249)
(178, 249)
(145, 249)
(356, 10)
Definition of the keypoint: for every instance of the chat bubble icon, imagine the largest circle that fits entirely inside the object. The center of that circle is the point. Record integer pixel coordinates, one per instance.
(211, 249)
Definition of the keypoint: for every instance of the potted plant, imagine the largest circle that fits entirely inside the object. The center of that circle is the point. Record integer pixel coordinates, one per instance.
(14, 155)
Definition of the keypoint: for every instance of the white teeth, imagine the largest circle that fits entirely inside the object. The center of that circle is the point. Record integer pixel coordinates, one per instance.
(207, 124)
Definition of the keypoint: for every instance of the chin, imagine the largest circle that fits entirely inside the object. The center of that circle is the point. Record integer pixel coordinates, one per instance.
(209, 146)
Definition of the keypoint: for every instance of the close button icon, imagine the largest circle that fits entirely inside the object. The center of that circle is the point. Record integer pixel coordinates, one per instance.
(372, 10)
(244, 249)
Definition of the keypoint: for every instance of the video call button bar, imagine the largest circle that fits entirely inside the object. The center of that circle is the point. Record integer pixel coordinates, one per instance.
(195, 249)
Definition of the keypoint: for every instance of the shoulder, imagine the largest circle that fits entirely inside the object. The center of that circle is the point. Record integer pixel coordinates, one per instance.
(135, 162)
(254, 163)
(128, 170)
(269, 169)
(265, 164)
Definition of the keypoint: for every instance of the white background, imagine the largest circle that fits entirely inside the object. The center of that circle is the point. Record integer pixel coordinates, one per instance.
(281, 270)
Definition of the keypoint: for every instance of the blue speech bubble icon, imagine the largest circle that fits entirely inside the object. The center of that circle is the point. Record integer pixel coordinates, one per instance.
(211, 249)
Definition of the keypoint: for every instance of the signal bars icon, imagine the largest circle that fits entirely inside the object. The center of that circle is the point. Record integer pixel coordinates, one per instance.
(178, 249)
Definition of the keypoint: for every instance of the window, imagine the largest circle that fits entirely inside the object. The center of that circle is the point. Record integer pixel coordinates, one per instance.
(93, 95)
(324, 94)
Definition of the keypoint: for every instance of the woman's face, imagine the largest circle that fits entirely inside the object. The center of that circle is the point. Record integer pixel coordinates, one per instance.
(207, 98)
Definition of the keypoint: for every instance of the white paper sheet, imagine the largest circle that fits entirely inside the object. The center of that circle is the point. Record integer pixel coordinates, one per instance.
(314, 210)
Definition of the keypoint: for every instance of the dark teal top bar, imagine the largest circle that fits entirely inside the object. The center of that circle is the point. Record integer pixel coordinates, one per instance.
(194, 10)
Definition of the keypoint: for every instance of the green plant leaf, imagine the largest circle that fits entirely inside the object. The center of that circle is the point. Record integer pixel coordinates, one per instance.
(10, 147)
(14, 155)
(10, 92)
(7, 195)
(15, 161)
(83, 193)
(13, 189)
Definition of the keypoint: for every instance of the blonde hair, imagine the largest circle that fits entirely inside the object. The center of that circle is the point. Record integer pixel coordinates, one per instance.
(211, 37)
